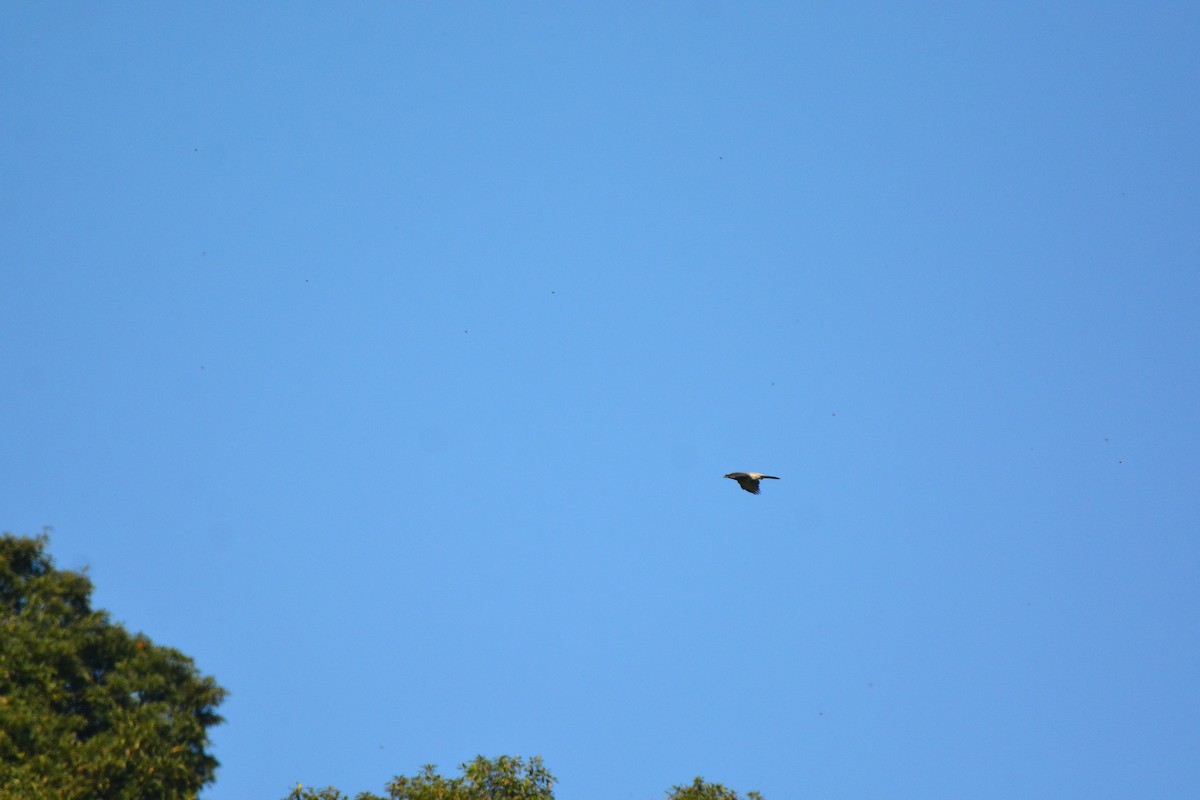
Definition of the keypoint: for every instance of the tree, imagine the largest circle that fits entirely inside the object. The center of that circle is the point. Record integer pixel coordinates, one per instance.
(504, 778)
(700, 790)
(88, 710)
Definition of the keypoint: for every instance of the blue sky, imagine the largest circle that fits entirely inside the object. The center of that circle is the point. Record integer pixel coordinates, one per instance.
(386, 359)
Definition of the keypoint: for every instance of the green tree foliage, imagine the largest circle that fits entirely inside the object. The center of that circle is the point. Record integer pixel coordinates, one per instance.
(699, 790)
(503, 778)
(88, 710)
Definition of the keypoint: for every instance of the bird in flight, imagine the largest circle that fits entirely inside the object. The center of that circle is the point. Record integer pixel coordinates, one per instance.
(749, 480)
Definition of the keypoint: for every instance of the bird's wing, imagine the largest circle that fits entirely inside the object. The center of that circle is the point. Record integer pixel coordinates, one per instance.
(749, 484)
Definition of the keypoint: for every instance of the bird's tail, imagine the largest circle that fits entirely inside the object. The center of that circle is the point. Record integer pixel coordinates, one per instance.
(772, 477)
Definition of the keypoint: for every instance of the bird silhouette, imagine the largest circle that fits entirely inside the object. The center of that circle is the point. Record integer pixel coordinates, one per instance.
(749, 480)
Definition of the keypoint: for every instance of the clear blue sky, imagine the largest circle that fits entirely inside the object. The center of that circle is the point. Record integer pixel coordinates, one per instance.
(386, 359)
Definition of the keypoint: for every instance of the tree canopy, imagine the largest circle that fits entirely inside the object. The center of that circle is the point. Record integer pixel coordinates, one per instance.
(699, 789)
(502, 778)
(87, 709)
